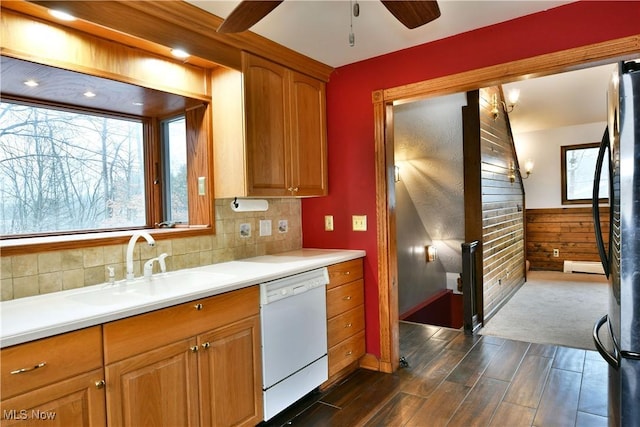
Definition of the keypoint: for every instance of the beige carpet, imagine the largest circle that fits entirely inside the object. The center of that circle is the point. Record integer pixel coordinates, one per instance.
(553, 308)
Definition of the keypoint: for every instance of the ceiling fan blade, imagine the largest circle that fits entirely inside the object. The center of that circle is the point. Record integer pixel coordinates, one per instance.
(246, 14)
(413, 13)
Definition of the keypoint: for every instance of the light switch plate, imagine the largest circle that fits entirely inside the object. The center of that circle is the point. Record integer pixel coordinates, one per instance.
(201, 186)
(359, 222)
(328, 223)
(265, 227)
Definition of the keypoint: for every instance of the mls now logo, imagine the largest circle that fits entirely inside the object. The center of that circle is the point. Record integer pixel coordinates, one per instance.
(24, 414)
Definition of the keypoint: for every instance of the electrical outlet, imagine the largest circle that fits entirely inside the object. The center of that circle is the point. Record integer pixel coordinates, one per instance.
(265, 227)
(359, 222)
(245, 229)
(556, 253)
(328, 223)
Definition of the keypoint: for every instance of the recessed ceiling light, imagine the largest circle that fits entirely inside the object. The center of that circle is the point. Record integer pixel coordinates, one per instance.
(179, 53)
(31, 83)
(137, 103)
(89, 94)
(63, 16)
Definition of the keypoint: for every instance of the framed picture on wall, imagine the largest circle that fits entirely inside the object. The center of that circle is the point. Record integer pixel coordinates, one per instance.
(578, 163)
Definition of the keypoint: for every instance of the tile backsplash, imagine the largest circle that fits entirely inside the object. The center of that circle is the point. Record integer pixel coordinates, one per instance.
(53, 271)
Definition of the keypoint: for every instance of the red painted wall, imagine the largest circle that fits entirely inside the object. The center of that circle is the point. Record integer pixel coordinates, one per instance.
(350, 112)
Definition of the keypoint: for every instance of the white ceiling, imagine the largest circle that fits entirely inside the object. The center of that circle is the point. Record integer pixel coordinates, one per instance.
(560, 100)
(320, 30)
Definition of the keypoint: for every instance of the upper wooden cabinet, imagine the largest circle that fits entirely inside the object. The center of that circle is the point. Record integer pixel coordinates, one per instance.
(274, 144)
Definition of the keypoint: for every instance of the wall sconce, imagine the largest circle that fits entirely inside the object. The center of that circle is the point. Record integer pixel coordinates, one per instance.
(512, 173)
(396, 173)
(528, 168)
(431, 253)
(514, 95)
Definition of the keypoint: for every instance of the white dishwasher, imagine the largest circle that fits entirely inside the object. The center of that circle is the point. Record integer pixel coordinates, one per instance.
(293, 312)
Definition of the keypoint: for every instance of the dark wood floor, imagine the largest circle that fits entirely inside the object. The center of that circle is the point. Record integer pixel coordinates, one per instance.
(457, 380)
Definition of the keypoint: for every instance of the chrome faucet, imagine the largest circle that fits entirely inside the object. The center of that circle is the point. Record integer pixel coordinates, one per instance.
(132, 243)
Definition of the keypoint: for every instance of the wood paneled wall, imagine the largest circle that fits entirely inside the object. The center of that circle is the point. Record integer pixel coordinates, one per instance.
(502, 207)
(494, 204)
(570, 230)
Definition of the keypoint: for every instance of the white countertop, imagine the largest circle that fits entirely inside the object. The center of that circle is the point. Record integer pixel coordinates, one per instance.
(40, 316)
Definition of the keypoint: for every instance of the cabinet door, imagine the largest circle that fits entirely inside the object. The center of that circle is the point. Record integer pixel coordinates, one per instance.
(308, 136)
(78, 401)
(155, 388)
(266, 109)
(231, 375)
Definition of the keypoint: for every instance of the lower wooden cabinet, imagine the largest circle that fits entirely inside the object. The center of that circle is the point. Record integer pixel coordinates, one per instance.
(56, 381)
(345, 319)
(155, 388)
(211, 376)
(230, 375)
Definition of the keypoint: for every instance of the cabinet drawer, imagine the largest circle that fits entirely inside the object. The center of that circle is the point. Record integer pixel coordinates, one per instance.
(137, 334)
(344, 298)
(49, 360)
(344, 325)
(345, 353)
(344, 272)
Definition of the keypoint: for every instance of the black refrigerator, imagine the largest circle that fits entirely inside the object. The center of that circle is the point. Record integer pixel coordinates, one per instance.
(617, 334)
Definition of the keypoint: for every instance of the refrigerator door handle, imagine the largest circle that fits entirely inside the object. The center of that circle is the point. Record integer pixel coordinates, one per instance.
(595, 201)
(611, 359)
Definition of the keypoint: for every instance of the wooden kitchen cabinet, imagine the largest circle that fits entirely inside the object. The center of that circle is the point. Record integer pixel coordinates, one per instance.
(230, 374)
(269, 131)
(155, 388)
(57, 381)
(345, 319)
(196, 363)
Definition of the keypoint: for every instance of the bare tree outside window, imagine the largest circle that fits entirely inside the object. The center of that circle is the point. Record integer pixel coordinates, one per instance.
(63, 170)
(175, 165)
(578, 170)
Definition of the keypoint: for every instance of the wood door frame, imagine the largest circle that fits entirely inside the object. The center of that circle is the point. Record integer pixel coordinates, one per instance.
(383, 100)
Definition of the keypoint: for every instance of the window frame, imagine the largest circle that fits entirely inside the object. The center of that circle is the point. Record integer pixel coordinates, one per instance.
(198, 145)
(564, 149)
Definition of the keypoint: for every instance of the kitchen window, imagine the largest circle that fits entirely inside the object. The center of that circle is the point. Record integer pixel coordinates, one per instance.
(67, 171)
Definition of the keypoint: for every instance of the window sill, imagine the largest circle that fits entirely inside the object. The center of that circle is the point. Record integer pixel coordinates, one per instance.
(28, 245)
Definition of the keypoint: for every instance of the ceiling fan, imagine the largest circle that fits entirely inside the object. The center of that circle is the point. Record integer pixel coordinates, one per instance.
(411, 13)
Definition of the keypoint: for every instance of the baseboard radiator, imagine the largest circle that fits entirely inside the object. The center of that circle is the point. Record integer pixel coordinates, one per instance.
(583, 267)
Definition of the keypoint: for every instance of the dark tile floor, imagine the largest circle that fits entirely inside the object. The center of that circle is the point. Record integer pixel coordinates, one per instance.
(458, 380)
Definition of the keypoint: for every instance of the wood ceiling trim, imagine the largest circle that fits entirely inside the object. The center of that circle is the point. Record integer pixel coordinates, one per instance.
(542, 65)
(175, 23)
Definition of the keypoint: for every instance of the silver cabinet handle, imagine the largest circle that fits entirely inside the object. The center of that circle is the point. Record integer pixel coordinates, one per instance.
(347, 298)
(206, 345)
(100, 384)
(198, 306)
(348, 325)
(194, 349)
(33, 368)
